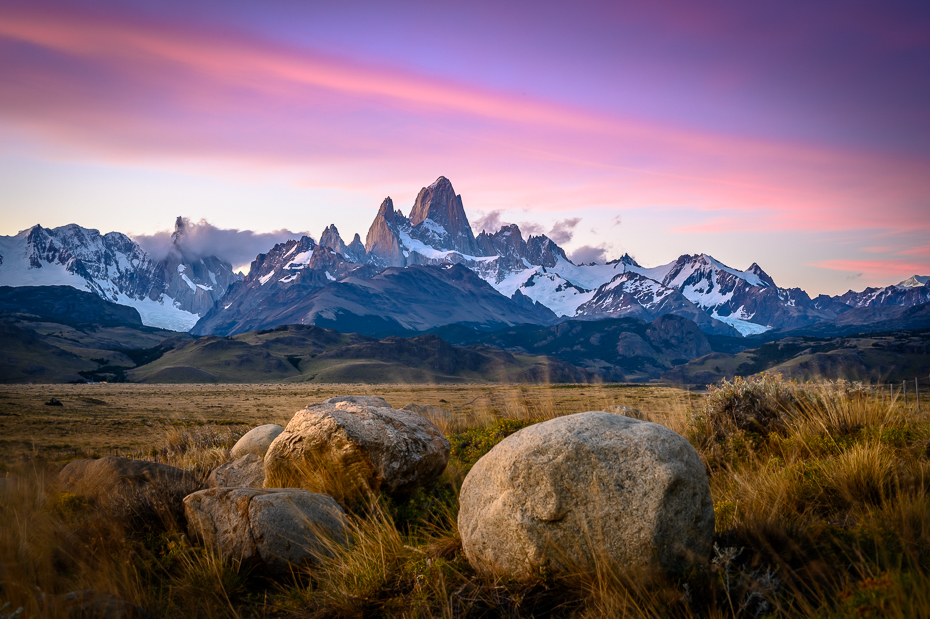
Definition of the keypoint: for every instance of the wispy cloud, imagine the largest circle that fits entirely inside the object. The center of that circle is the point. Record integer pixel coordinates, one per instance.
(199, 239)
(589, 253)
(176, 92)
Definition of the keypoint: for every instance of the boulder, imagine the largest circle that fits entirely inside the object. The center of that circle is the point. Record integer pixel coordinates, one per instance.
(256, 441)
(348, 449)
(276, 529)
(245, 472)
(110, 477)
(591, 487)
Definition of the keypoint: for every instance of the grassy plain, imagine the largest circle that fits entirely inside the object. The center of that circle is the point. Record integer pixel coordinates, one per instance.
(130, 419)
(821, 496)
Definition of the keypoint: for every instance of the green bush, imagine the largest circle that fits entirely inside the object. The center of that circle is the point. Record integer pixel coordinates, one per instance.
(469, 446)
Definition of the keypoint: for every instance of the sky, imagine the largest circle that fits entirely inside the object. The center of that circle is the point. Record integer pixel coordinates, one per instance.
(791, 134)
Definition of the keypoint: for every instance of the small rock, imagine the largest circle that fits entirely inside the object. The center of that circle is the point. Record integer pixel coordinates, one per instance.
(256, 441)
(54, 402)
(277, 528)
(555, 494)
(348, 449)
(137, 494)
(245, 472)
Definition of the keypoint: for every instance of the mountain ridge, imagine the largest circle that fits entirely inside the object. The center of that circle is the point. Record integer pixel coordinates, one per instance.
(184, 289)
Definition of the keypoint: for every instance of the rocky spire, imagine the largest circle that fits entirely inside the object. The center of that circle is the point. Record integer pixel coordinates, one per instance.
(440, 204)
(382, 243)
(331, 239)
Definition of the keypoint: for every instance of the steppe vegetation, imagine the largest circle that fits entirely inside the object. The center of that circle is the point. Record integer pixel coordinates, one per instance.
(820, 494)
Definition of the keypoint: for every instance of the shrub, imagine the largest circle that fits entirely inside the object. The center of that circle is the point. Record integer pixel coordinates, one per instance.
(757, 405)
(469, 446)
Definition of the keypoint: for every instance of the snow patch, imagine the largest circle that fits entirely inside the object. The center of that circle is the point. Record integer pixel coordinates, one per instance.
(164, 314)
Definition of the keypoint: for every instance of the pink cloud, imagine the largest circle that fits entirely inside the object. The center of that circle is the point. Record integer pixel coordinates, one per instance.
(174, 93)
(876, 268)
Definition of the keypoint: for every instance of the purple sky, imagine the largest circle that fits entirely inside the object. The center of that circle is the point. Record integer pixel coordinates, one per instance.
(795, 135)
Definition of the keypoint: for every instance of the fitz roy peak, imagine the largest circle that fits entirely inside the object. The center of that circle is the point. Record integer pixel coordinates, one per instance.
(170, 293)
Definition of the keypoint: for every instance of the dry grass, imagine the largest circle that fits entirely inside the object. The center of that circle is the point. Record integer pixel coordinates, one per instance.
(822, 498)
(129, 419)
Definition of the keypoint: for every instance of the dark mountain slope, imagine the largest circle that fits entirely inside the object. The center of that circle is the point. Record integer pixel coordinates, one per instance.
(614, 348)
(415, 298)
(64, 305)
(870, 358)
(306, 353)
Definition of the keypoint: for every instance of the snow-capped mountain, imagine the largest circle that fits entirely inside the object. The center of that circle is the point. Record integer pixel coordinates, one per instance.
(277, 280)
(912, 291)
(536, 270)
(170, 293)
(633, 294)
(914, 281)
(534, 273)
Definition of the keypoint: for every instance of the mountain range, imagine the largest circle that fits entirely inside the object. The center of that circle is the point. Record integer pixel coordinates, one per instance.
(420, 272)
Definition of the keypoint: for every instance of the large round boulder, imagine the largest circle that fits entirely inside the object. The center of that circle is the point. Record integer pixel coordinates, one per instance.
(587, 489)
(256, 441)
(276, 529)
(348, 449)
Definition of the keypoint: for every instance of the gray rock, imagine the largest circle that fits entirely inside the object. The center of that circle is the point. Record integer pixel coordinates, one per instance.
(348, 449)
(113, 477)
(592, 486)
(278, 529)
(256, 441)
(245, 472)
(363, 400)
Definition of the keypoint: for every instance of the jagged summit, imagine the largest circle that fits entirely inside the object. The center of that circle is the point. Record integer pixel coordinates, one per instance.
(914, 281)
(440, 205)
(168, 293)
(626, 259)
(354, 252)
